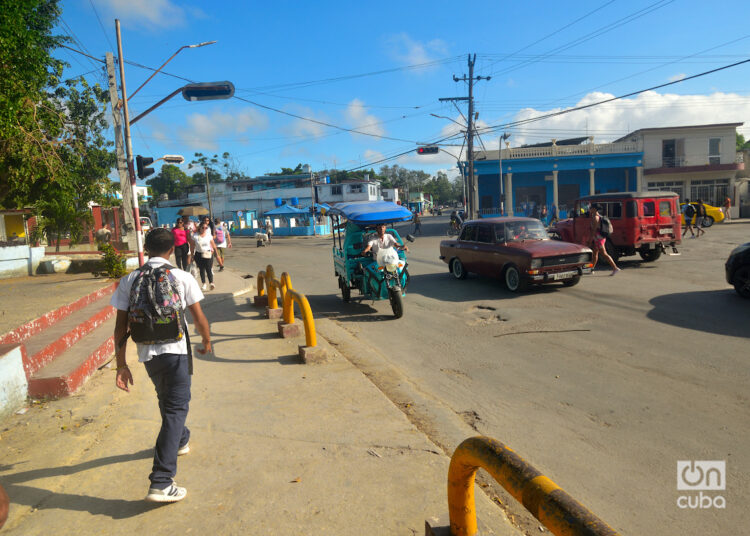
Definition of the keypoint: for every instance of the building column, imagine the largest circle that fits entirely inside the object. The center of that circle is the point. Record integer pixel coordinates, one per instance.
(509, 194)
(555, 198)
(639, 179)
(627, 181)
(592, 188)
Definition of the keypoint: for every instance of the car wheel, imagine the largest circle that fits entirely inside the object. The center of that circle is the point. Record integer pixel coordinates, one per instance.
(649, 255)
(708, 221)
(611, 251)
(573, 281)
(741, 281)
(457, 269)
(513, 281)
(346, 292)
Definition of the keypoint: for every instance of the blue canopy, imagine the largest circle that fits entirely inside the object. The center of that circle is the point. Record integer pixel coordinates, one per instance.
(285, 210)
(371, 212)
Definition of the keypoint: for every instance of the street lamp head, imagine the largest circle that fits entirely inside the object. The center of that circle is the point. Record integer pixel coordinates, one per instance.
(173, 158)
(202, 44)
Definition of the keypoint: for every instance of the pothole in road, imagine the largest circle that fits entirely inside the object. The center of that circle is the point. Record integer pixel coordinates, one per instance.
(471, 418)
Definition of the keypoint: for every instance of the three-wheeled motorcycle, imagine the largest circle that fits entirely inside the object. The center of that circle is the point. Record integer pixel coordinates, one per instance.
(381, 277)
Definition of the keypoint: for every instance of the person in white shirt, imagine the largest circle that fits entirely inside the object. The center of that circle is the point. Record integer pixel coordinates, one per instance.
(205, 247)
(168, 366)
(382, 241)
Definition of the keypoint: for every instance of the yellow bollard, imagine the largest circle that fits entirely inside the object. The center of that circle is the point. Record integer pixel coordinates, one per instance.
(307, 317)
(271, 286)
(261, 285)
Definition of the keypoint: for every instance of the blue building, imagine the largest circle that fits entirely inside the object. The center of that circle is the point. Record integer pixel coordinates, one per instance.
(555, 174)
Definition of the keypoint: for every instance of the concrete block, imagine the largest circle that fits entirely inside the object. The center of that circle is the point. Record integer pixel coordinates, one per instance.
(274, 313)
(312, 354)
(260, 301)
(438, 526)
(288, 331)
(13, 383)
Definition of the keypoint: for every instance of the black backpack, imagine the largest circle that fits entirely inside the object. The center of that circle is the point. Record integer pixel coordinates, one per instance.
(605, 226)
(155, 313)
(689, 211)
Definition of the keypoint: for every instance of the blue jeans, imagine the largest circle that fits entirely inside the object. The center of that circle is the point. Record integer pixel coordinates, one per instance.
(169, 374)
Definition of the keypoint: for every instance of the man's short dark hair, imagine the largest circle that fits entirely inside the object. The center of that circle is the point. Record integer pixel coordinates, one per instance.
(159, 241)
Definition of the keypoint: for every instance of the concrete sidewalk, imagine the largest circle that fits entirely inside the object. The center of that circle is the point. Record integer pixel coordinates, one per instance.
(277, 448)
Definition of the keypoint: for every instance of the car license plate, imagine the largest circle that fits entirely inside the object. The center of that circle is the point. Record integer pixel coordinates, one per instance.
(665, 231)
(563, 275)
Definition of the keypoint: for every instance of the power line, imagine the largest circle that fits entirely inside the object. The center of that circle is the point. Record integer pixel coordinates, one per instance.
(101, 25)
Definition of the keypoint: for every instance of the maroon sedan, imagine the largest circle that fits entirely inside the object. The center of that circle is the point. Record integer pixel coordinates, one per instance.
(516, 250)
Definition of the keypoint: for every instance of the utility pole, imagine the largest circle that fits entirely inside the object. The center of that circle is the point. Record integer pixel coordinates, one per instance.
(471, 179)
(129, 147)
(208, 195)
(122, 162)
(312, 200)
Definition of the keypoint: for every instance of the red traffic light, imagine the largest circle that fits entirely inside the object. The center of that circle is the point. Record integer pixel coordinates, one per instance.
(427, 150)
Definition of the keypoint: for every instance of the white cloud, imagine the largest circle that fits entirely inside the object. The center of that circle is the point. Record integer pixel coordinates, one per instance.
(156, 13)
(677, 77)
(410, 52)
(612, 120)
(372, 156)
(203, 132)
(302, 128)
(357, 116)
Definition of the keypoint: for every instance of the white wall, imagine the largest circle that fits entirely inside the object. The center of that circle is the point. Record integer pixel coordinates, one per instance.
(696, 145)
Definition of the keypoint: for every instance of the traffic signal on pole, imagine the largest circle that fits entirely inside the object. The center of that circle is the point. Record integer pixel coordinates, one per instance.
(141, 163)
(208, 91)
(427, 150)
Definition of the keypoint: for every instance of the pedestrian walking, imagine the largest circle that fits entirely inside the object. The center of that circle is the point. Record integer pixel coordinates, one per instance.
(151, 303)
(189, 225)
(688, 212)
(700, 215)
(223, 241)
(417, 224)
(599, 236)
(182, 246)
(727, 209)
(205, 247)
(269, 230)
(543, 214)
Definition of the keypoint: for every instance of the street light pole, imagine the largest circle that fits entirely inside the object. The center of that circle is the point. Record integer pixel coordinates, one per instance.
(129, 148)
(312, 200)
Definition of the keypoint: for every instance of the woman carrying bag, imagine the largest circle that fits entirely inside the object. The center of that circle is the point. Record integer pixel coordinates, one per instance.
(204, 252)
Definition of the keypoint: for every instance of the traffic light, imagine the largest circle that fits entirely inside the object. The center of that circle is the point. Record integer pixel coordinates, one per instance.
(141, 163)
(208, 91)
(427, 150)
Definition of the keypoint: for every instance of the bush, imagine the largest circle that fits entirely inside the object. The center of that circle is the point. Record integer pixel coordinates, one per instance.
(114, 262)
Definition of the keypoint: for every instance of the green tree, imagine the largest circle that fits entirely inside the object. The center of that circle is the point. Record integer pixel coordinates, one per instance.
(440, 188)
(30, 127)
(742, 145)
(171, 180)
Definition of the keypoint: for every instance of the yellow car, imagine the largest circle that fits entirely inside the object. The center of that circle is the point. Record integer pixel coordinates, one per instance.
(713, 214)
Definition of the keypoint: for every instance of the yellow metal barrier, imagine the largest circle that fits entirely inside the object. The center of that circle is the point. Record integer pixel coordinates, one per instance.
(261, 285)
(285, 283)
(307, 317)
(558, 511)
(271, 286)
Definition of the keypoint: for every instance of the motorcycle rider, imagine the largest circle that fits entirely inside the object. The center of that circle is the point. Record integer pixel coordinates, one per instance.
(382, 241)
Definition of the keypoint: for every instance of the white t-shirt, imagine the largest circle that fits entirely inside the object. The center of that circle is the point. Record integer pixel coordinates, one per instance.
(386, 242)
(189, 291)
(203, 243)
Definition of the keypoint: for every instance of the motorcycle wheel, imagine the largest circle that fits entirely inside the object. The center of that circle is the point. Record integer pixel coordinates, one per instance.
(397, 303)
(346, 292)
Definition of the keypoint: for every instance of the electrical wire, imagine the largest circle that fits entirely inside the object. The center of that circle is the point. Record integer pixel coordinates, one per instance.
(106, 35)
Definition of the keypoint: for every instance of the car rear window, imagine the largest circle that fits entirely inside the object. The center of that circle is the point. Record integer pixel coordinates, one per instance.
(665, 208)
(649, 209)
(484, 234)
(468, 233)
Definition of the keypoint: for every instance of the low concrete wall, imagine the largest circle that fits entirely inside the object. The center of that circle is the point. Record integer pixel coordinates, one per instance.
(13, 383)
(19, 261)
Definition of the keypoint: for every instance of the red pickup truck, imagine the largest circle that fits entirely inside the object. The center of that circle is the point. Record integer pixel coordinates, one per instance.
(645, 223)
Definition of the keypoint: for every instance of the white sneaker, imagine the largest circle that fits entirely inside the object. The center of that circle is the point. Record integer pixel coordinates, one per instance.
(184, 450)
(170, 494)
(204, 286)
(211, 286)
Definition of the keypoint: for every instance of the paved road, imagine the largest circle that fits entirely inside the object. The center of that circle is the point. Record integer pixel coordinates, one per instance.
(603, 386)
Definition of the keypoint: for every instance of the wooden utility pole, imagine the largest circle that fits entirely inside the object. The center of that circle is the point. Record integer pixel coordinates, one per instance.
(122, 162)
(472, 209)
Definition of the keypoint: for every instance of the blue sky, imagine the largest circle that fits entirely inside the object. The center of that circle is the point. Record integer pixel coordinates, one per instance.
(306, 58)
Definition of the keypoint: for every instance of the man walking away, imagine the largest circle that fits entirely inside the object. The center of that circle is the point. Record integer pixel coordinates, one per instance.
(688, 211)
(700, 214)
(151, 303)
(223, 241)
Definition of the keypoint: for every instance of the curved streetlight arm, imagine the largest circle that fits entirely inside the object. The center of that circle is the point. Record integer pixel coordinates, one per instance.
(165, 99)
(170, 59)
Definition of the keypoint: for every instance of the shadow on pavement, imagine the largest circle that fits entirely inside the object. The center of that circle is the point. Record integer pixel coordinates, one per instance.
(42, 499)
(722, 312)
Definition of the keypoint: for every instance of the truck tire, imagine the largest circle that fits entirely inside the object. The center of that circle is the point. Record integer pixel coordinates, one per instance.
(649, 255)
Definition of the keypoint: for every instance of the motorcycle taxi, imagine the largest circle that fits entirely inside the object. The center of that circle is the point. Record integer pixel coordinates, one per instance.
(381, 277)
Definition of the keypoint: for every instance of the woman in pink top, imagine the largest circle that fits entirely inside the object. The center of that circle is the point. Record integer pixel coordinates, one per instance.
(181, 245)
